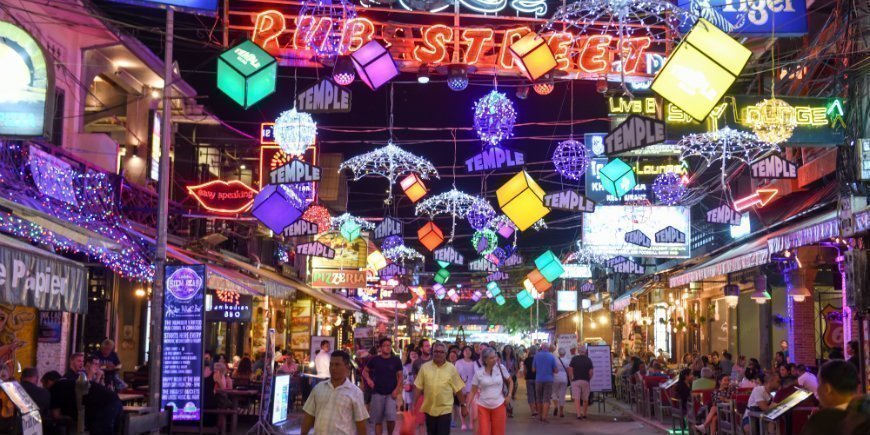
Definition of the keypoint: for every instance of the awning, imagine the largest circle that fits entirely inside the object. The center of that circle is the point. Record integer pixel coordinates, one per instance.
(624, 300)
(814, 230)
(220, 278)
(281, 280)
(375, 312)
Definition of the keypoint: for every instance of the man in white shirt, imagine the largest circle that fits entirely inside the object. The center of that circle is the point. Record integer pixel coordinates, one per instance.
(321, 360)
(806, 379)
(760, 398)
(336, 407)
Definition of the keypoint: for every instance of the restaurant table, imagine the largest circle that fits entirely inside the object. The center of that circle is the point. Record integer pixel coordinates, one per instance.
(235, 396)
(137, 409)
(125, 397)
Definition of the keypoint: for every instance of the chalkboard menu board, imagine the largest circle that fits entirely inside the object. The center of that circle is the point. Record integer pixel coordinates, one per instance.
(229, 306)
(183, 321)
(601, 380)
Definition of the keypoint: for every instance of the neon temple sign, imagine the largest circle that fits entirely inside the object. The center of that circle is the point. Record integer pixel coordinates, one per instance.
(293, 39)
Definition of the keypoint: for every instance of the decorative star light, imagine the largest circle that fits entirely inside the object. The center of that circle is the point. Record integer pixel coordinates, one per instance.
(390, 162)
(724, 145)
(540, 225)
(773, 120)
(571, 159)
(669, 188)
(494, 118)
(479, 215)
(402, 253)
(295, 132)
(338, 221)
(326, 42)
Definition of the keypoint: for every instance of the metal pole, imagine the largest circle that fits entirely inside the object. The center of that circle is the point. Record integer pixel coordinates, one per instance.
(155, 349)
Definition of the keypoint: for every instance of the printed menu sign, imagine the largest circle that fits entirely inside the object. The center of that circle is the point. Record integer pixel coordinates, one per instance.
(183, 323)
(600, 356)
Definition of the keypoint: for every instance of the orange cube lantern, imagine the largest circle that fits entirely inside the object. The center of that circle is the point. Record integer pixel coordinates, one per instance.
(538, 281)
(430, 236)
(533, 56)
(413, 187)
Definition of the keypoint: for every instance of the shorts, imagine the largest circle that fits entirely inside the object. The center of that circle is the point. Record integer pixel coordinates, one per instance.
(383, 408)
(580, 390)
(559, 392)
(543, 392)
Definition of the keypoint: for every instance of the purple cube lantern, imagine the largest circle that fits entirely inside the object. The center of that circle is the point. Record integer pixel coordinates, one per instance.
(374, 64)
(277, 207)
(505, 229)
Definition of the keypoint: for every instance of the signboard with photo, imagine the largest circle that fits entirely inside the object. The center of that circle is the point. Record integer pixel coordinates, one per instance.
(599, 229)
(300, 325)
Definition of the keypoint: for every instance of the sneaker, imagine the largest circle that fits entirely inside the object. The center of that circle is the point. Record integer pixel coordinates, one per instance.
(700, 428)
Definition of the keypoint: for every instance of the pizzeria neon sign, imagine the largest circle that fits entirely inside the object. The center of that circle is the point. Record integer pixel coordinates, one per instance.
(290, 39)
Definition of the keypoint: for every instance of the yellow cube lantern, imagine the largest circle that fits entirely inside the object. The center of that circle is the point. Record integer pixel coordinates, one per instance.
(538, 281)
(533, 55)
(701, 69)
(522, 200)
(430, 236)
(377, 260)
(413, 187)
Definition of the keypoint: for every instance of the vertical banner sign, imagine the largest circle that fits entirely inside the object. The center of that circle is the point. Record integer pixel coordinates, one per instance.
(183, 323)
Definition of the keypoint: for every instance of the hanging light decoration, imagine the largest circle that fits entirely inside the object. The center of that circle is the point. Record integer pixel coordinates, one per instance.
(457, 77)
(732, 295)
(760, 294)
(325, 20)
(571, 159)
(479, 215)
(390, 162)
(494, 118)
(318, 214)
(669, 188)
(484, 242)
(295, 132)
(544, 85)
(343, 72)
(391, 242)
(773, 120)
(402, 253)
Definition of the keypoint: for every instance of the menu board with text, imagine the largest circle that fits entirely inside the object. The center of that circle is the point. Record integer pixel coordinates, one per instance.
(601, 361)
(183, 324)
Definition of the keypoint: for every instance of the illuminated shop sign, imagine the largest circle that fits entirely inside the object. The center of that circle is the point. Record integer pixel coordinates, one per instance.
(601, 231)
(26, 82)
(338, 278)
(272, 159)
(746, 17)
(220, 196)
(819, 120)
(480, 41)
(226, 306)
(206, 7)
(646, 169)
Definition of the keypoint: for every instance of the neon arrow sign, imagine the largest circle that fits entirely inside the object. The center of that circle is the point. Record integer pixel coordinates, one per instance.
(758, 199)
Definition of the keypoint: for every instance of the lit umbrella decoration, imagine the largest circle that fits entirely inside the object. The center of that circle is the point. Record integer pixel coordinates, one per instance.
(295, 132)
(390, 162)
(571, 159)
(584, 255)
(725, 144)
(338, 221)
(669, 188)
(494, 118)
(402, 253)
(453, 202)
(326, 41)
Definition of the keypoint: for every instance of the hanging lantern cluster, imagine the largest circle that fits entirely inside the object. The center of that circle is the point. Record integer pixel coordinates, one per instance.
(295, 132)
(571, 159)
(494, 118)
(325, 19)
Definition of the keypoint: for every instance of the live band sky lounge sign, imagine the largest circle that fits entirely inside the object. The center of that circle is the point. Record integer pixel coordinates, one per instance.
(414, 39)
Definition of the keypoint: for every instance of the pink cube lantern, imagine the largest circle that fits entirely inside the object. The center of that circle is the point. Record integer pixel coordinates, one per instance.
(505, 230)
(374, 64)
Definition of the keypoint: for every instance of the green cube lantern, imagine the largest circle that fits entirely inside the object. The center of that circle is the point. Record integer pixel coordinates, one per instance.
(617, 177)
(500, 300)
(442, 276)
(549, 265)
(350, 230)
(525, 299)
(493, 289)
(246, 73)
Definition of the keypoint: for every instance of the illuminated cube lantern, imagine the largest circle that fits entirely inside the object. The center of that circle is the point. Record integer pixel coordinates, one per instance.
(533, 55)
(453, 295)
(476, 296)
(549, 266)
(701, 69)
(440, 291)
(350, 230)
(525, 299)
(413, 187)
(276, 208)
(377, 260)
(442, 276)
(522, 200)
(246, 73)
(617, 177)
(536, 278)
(493, 289)
(492, 258)
(374, 64)
(500, 300)
(505, 230)
(430, 236)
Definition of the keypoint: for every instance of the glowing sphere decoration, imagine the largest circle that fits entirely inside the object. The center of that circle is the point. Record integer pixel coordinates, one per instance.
(773, 121)
(457, 77)
(295, 132)
(343, 72)
(327, 41)
(494, 118)
(319, 215)
(484, 242)
(391, 242)
(571, 159)
(480, 214)
(669, 188)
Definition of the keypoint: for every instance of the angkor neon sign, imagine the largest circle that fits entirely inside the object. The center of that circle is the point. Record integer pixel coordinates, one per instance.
(293, 39)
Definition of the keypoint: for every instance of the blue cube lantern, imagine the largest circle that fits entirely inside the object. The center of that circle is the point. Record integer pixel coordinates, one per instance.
(442, 276)
(350, 230)
(549, 266)
(277, 207)
(525, 299)
(617, 178)
(500, 300)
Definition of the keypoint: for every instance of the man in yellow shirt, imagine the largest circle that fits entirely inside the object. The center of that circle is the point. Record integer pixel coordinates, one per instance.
(438, 381)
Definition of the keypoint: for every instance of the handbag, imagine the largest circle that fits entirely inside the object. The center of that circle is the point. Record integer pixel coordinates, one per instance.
(507, 394)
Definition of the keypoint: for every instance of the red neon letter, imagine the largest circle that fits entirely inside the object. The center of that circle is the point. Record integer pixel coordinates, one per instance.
(632, 52)
(304, 27)
(505, 58)
(268, 26)
(476, 39)
(357, 32)
(593, 57)
(434, 49)
(560, 43)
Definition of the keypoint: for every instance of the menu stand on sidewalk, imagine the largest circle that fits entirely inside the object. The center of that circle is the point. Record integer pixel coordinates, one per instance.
(264, 426)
